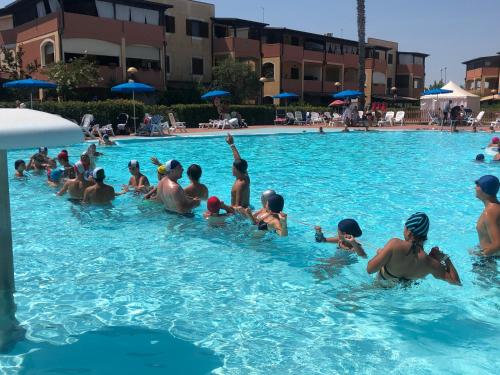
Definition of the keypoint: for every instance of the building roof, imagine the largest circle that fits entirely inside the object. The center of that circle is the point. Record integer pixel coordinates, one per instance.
(312, 35)
(415, 53)
(482, 58)
(237, 22)
(378, 47)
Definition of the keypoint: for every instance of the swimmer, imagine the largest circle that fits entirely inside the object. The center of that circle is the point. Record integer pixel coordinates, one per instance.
(106, 141)
(497, 155)
(54, 177)
(405, 260)
(321, 130)
(495, 142)
(99, 193)
(76, 187)
(20, 167)
(263, 199)
(488, 224)
(479, 158)
(138, 181)
(275, 219)
(93, 154)
(69, 171)
(152, 194)
(347, 232)
(40, 161)
(87, 163)
(240, 192)
(346, 129)
(213, 215)
(171, 194)
(196, 189)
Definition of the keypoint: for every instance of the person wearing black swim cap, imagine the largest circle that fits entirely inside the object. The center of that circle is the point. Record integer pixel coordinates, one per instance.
(347, 232)
(240, 192)
(405, 260)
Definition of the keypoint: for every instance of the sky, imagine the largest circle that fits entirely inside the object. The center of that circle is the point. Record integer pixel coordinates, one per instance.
(450, 31)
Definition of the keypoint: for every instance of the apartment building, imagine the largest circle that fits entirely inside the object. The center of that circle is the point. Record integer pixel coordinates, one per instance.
(189, 42)
(117, 34)
(482, 76)
(314, 65)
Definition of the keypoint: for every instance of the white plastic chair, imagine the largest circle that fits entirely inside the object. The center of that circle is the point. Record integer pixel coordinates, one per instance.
(400, 118)
(388, 119)
(298, 118)
(176, 125)
(157, 126)
(316, 118)
(86, 124)
(477, 120)
(121, 127)
(335, 120)
(434, 119)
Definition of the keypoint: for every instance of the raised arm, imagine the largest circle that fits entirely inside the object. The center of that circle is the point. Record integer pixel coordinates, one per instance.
(228, 209)
(230, 142)
(320, 237)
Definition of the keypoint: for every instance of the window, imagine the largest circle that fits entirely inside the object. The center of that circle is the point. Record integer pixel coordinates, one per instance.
(143, 64)
(167, 63)
(220, 31)
(40, 8)
(197, 28)
(402, 81)
(170, 24)
(197, 66)
(48, 53)
(294, 73)
(86, 7)
(415, 83)
(405, 59)
(268, 70)
(98, 59)
(105, 9)
(419, 60)
(389, 58)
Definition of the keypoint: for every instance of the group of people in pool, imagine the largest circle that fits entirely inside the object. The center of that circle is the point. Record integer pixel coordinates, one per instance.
(400, 260)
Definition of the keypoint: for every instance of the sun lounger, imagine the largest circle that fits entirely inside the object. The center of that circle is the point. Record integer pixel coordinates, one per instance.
(88, 128)
(299, 120)
(389, 116)
(400, 118)
(316, 118)
(335, 120)
(476, 120)
(121, 128)
(176, 125)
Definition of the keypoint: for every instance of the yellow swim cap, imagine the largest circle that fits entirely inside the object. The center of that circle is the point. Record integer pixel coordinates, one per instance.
(162, 169)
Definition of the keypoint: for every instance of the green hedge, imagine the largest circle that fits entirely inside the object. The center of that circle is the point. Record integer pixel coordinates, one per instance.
(106, 112)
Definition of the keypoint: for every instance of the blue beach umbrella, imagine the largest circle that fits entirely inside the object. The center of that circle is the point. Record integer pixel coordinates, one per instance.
(30, 83)
(437, 91)
(286, 96)
(347, 94)
(215, 94)
(132, 87)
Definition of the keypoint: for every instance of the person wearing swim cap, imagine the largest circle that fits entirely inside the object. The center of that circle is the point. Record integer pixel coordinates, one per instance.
(213, 215)
(240, 192)
(153, 193)
(106, 141)
(405, 260)
(99, 193)
(196, 189)
(76, 187)
(40, 161)
(54, 177)
(479, 158)
(275, 219)
(259, 214)
(137, 181)
(171, 194)
(20, 167)
(495, 142)
(497, 155)
(63, 159)
(347, 232)
(488, 224)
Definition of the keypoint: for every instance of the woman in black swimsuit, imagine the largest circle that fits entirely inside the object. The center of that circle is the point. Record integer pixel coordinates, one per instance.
(406, 260)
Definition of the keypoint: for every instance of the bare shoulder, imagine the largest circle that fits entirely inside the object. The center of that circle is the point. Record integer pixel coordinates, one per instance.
(493, 210)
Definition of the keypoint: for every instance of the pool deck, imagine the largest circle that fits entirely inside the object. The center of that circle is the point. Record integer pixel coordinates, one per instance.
(293, 129)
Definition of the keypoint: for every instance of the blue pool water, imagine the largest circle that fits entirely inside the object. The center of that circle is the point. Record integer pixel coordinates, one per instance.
(233, 302)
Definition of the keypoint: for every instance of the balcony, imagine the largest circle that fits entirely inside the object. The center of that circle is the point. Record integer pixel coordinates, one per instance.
(314, 56)
(239, 46)
(376, 65)
(312, 86)
(30, 30)
(271, 50)
(292, 85)
(416, 70)
(293, 53)
(334, 58)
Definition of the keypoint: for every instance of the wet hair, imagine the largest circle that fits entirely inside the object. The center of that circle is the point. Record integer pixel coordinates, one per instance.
(276, 203)
(17, 163)
(241, 165)
(194, 172)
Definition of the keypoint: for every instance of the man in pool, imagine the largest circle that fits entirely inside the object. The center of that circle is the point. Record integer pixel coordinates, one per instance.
(347, 232)
(488, 225)
(76, 187)
(99, 193)
(240, 192)
(406, 260)
(196, 189)
(106, 141)
(171, 194)
(137, 181)
(20, 167)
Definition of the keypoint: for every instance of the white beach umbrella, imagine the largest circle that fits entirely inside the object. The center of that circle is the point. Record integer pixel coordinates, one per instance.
(25, 128)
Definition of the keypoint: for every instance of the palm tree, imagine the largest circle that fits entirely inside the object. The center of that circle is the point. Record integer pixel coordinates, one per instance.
(362, 51)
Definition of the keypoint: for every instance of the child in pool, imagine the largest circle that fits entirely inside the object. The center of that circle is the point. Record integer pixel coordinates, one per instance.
(213, 215)
(348, 230)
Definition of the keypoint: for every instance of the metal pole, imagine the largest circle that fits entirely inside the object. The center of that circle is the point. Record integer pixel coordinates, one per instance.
(6, 257)
(133, 100)
(31, 99)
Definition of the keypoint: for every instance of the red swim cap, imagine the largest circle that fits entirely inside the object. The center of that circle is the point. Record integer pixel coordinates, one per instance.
(62, 156)
(213, 205)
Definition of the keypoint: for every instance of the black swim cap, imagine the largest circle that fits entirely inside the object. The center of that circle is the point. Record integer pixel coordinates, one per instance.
(17, 163)
(276, 203)
(241, 165)
(350, 226)
(194, 172)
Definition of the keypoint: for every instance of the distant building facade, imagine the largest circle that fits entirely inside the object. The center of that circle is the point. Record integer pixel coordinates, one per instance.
(482, 76)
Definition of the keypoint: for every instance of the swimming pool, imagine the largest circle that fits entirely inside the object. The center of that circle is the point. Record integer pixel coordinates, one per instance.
(227, 300)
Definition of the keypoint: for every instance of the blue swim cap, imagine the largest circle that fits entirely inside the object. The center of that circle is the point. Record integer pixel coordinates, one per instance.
(55, 175)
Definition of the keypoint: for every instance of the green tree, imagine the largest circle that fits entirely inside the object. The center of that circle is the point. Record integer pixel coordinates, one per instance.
(12, 63)
(77, 73)
(362, 50)
(238, 78)
(436, 85)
